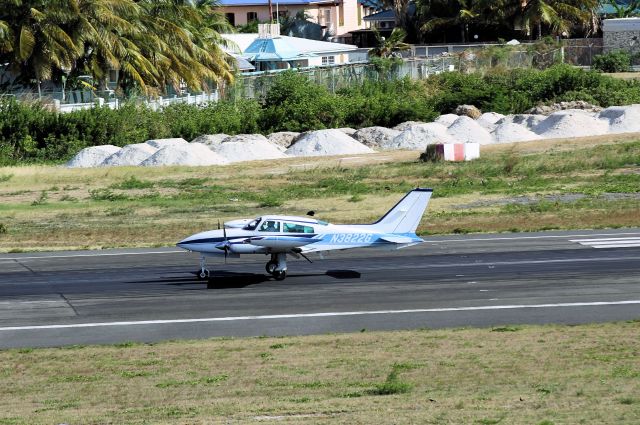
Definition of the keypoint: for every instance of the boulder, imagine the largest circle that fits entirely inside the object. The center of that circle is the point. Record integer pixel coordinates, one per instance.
(326, 142)
(284, 139)
(92, 156)
(418, 137)
(375, 136)
(469, 111)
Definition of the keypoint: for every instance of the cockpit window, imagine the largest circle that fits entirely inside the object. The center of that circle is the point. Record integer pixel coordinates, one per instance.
(252, 224)
(270, 226)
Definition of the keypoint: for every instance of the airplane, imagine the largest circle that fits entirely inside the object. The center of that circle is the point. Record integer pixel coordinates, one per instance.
(280, 235)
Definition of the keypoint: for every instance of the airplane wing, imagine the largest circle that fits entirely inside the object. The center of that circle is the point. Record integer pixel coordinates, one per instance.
(282, 242)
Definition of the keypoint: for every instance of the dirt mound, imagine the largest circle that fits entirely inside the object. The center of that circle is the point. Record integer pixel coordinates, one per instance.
(563, 106)
(375, 136)
(575, 123)
(326, 142)
(447, 119)
(130, 155)
(92, 156)
(248, 147)
(622, 119)
(162, 143)
(210, 139)
(187, 154)
(466, 129)
(488, 120)
(284, 139)
(407, 125)
(419, 137)
(510, 132)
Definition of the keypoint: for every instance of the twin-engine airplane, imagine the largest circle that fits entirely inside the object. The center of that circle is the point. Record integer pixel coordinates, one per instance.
(278, 235)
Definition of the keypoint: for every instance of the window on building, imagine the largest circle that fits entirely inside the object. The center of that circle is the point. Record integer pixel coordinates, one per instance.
(231, 17)
(328, 60)
(252, 16)
(341, 14)
(280, 15)
(296, 228)
(359, 14)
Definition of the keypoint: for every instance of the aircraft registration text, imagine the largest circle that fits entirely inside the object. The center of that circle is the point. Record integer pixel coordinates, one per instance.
(352, 238)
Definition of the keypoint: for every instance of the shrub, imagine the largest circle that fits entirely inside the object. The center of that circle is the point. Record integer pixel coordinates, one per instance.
(618, 61)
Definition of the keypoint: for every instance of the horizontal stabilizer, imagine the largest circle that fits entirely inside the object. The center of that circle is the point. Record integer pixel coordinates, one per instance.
(398, 239)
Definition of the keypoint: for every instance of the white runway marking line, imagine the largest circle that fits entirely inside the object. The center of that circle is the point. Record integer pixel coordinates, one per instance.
(311, 315)
(609, 242)
(515, 238)
(96, 254)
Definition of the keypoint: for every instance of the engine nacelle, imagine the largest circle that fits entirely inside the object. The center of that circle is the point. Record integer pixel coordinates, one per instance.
(246, 248)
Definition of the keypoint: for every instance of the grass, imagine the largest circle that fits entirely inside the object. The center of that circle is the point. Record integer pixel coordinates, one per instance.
(539, 374)
(511, 188)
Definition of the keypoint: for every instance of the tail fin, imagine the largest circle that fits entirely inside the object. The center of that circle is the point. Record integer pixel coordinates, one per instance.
(405, 216)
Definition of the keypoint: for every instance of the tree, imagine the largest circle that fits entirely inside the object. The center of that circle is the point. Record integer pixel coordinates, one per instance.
(624, 10)
(390, 46)
(559, 15)
(442, 13)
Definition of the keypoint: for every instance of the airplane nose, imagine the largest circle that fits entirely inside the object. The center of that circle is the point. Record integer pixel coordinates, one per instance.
(184, 243)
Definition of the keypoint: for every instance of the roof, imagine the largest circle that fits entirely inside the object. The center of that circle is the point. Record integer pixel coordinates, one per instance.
(266, 2)
(607, 9)
(243, 64)
(286, 45)
(389, 15)
(273, 49)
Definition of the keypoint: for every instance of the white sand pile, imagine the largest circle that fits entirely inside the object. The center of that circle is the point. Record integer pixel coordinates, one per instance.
(326, 142)
(92, 156)
(407, 125)
(284, 139)
(187, 154)
(510, 132)
(162, 143)
(447, 119)
(376, 136)
(248, 147)
(130, 155)
(488, 120)
(527, 120)
(622, 119)
(467, 130)
(419, 137)
(571, 123)
(210, 139)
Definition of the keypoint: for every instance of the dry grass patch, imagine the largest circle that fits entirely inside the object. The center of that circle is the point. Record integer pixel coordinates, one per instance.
(515, 375)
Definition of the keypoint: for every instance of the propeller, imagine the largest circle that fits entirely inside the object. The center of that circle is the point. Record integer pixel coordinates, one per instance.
(226, 243)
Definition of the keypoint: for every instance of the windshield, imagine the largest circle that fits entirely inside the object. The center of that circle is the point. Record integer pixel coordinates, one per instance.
(252, 224)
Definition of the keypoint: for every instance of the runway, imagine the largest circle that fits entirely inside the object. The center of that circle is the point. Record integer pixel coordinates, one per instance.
(146, 295)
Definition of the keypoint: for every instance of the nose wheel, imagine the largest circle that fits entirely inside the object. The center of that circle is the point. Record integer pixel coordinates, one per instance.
(203, 273)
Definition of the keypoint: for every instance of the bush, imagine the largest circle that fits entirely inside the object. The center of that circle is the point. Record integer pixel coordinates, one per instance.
(618, 61)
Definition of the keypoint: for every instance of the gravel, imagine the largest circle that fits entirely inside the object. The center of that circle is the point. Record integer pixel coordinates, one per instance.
(92, 156)
(418, 137)
(162, 143)
(187, 154)
(375, 137)
(326, 142)
(571, 123)
(622, 119)
(510, 132)
(248, 147)
(466, 129)
(130, 155)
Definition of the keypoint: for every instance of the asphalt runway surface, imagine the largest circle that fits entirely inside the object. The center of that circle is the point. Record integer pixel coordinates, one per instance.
(102, 297)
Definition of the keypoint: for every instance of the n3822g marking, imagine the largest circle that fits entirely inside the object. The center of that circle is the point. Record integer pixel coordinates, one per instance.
(351, 238)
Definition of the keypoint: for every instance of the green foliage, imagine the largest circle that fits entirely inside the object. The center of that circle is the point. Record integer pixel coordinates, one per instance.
(393, 384)
(293, 103)
(3, 229)
(618, 61)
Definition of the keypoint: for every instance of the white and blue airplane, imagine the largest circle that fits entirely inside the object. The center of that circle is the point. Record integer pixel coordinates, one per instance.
(279, 235)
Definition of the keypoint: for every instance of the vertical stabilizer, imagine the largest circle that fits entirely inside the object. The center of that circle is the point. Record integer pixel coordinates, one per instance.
(405, 216)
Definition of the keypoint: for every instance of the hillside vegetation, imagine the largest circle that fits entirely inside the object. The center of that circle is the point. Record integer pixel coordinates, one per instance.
(31, 133)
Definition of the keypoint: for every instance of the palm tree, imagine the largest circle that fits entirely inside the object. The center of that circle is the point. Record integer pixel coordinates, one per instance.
(34, 37)
(559, 15)
(624, 10)
(442, 13)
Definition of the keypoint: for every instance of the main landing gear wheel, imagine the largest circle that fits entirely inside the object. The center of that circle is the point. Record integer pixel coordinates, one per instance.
(280, 275)
(271, 267)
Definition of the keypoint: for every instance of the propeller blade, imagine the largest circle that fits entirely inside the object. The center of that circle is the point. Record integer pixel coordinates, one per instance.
(226, 243)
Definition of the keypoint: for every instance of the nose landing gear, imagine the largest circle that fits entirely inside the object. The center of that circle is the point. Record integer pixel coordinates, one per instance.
(203, 273)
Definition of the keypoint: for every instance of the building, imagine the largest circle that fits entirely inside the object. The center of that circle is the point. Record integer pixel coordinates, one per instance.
(337, 17)
(268, 50)
(621, 34)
